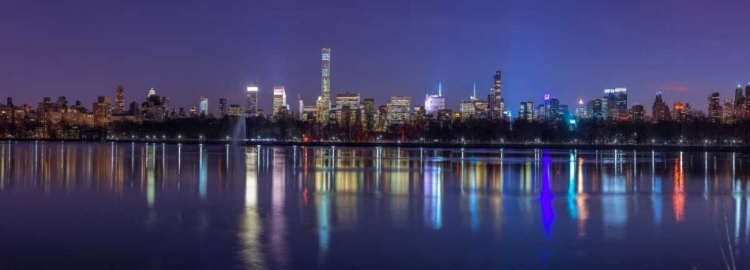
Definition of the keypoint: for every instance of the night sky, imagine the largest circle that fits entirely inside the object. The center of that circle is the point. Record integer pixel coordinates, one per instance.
(185, 49)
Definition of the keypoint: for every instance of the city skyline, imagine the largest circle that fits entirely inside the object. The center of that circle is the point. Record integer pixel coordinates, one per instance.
(380, 50)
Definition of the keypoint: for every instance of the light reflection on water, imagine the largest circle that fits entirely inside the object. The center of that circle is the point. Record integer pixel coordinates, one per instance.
(221, 206)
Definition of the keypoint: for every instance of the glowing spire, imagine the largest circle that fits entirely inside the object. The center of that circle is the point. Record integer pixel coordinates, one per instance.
(440, 88)
(475, 89)
(580, 102)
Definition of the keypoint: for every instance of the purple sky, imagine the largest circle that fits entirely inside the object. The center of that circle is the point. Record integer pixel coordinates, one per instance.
(571, 49)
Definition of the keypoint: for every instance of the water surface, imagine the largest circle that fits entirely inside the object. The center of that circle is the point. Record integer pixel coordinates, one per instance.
(157, 206)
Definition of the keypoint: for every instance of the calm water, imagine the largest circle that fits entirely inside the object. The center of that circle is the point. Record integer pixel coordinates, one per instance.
(154, 206)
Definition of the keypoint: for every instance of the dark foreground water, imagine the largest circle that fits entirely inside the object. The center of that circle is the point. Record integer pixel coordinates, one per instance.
(155, 206)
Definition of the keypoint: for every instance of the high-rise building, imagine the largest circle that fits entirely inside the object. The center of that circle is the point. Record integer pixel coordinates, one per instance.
(279, 99)
(617, 103)
(369, 108)
(347, 99)
(399, 110)
(324, 101)
(203, 107)
(638, 113)
(151, 92)
(120, 100)
(252, 101)
(434, 103)
(236, 110)
(223, 107)
(301, 105)
(660, 110)
(728, 112)
(495, 100)
(102, 111)
(581, 110)
(527, 111)
(680, 112)
(714, 107)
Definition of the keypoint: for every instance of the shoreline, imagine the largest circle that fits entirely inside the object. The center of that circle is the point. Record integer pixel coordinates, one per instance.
(639, 147)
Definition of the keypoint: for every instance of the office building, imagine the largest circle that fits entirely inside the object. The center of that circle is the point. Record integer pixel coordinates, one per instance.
(617, 103)
(203, 107)
(714, 108)
(120, 100)
(324, 100)
(527, 111)
(223, 107)
(660, 110)
(638, 113)
(495, 100)
(252, 101)
(399, 110)
(434, 102)
(279, 99)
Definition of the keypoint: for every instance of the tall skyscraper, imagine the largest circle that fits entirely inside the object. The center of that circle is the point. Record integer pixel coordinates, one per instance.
(279, 99)
(495, 100)
(324, 101)
(617, 103)
(728, 113)
(120, 99)
(434, 103)
(714, 107)
(252, 101)
(203, 107)
(222, 107)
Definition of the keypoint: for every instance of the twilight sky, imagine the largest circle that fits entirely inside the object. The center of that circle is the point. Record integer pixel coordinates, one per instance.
(571, 49)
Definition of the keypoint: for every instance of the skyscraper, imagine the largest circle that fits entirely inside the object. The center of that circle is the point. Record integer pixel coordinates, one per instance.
(252, 101)
(527, 111)
(639, 113)
(617, 103)
(433, 103)
(279, 99)
(581, 110)
(495, 100)
(222, 107)
(324, 101)
(120, 99)
(399, 110)
(660, 110)
(714, 107)
(203, 107)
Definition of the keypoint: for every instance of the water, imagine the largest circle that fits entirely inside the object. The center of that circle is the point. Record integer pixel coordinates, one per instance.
(156, 206)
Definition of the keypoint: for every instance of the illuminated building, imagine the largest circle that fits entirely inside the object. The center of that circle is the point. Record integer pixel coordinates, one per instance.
(309, 114)
(527, 111)
(638, 113)
(739, 102)
(102, 111)
(203, 107)
(728, 112)
(120, 100)
(324, 101)
(660, 110)
(399, 110)
(714, 107)
(236, 110)
(434, 103)
(495, 100)
(680, 112)
(193, 112)
(279, 99)
(370, 119)
(617, 103)
(151, 92)
(222, 107)
(252, 101)
(347, 109)
(581, 110)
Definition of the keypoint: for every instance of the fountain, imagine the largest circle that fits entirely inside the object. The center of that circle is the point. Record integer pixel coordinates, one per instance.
(239, 135)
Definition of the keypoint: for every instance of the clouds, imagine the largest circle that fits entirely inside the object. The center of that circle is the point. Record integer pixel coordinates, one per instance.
(672, 87)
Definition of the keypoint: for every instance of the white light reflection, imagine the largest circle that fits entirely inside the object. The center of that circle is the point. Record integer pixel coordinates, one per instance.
(278, 220)
(433, 192)
(251, 223)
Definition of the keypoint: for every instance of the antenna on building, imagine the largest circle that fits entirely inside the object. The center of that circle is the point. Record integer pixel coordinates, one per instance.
(440, 88)
(475, 89)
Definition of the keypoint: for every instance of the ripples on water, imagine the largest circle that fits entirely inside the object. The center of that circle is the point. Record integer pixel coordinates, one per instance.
(156, 206)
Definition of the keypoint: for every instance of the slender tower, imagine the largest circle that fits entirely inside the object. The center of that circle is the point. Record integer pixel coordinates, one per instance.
(324, 102)
(120, 99)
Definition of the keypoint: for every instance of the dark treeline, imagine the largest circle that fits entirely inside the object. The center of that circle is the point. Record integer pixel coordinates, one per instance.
(590, 131)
